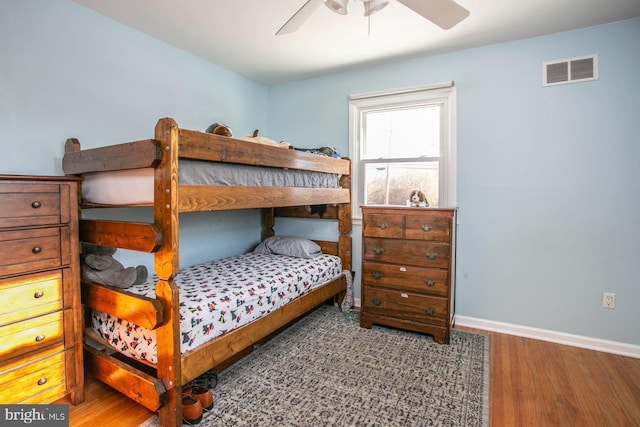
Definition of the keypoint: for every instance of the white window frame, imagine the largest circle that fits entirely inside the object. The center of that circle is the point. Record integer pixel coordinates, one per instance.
(443, 93)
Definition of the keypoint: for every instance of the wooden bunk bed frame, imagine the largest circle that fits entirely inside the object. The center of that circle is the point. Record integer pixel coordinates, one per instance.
(159, 388)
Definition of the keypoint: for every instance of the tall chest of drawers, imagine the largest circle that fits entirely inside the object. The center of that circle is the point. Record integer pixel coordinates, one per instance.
(408, 269)
(40, 311)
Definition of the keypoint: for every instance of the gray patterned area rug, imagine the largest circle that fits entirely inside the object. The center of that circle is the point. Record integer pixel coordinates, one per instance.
(327, 371)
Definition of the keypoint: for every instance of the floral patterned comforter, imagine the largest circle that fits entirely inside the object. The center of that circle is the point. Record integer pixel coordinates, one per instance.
(219, 296)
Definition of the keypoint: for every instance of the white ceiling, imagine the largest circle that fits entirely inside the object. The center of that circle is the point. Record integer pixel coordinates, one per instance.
(240, 34)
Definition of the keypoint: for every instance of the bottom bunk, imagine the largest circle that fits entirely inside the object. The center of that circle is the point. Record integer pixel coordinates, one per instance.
(225, 307)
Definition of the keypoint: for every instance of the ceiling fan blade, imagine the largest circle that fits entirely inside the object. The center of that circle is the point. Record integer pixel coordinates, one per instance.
(443, 13)
(299, 18)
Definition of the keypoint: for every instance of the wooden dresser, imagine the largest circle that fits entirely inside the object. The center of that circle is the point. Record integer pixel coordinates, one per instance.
(408, 257)
(40, 311)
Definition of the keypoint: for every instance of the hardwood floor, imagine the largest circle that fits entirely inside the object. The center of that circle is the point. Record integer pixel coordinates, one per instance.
(533, 383)
(105, 407)
(536, 383)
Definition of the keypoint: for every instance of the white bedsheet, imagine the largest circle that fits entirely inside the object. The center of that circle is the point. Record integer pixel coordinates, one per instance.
(219, 296)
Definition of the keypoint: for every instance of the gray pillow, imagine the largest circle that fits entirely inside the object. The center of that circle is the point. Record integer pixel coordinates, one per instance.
(291, 246)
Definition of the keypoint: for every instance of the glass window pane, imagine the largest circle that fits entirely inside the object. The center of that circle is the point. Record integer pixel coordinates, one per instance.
(402, 133)
(391, 183)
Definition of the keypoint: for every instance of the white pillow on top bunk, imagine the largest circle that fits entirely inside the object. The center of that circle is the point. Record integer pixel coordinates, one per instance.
(291, 246)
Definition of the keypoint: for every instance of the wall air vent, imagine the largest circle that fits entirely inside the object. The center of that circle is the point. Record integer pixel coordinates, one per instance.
(570, 70)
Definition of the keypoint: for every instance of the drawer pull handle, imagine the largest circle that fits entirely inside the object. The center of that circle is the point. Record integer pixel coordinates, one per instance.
(426, 228)
(36, 204)
(36, 250)
(430, 311)
(38, 294)
(430, 282)
(42, 381)
(431, 255)
(382, 226)
(40, 338)
(376, 275)
(376, 302)
(378, 250)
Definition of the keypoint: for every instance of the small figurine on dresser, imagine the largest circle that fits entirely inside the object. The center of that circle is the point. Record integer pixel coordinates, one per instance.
(418, 199)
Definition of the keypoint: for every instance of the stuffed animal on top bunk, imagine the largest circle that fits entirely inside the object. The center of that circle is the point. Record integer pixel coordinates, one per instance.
(99, 266)
(219, 129)
(264, 140)
(418, 199)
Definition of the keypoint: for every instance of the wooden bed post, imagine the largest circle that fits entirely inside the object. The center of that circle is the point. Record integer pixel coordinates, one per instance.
(345, 224)
(166, 265)
(72, 145)
(268, 221)
(167, 261)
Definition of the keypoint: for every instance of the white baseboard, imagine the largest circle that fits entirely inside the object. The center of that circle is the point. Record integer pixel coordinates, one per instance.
(614, 347)
(606, 346)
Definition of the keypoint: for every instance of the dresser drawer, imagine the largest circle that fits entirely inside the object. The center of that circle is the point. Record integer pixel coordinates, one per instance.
(40, 302)
(433, 226)
(31, 335)
(406, 278)
(35, 382)
(406, 305)
(414, 252)
(28, 204)
(34, 249)
(30, 296)
(382, 225)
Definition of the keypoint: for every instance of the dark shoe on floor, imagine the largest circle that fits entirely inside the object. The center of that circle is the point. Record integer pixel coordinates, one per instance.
(208, 380)
(202, 394)
(191, 410)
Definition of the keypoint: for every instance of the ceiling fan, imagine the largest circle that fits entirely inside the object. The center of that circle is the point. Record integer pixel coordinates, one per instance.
(443, 13)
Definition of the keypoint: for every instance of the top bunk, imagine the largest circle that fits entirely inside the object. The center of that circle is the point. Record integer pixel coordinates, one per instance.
(160, 161)
(176, 170)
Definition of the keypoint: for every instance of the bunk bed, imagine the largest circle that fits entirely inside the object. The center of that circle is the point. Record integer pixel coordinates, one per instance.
(158, 385)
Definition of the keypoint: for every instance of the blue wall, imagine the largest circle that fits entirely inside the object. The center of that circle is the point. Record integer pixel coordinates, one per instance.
(548, 177)
(548, 182)
(66, 71)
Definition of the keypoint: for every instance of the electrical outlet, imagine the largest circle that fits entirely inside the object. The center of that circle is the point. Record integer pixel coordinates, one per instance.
(608, 300)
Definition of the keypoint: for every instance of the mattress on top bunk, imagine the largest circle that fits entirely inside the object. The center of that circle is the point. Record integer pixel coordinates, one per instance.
(220, 296)
(135, 186)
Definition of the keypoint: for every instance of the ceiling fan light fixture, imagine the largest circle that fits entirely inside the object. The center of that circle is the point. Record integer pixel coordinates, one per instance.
(373, 6)
(338, 6)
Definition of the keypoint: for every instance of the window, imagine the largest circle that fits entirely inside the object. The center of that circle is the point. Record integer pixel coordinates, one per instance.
(401, 141)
